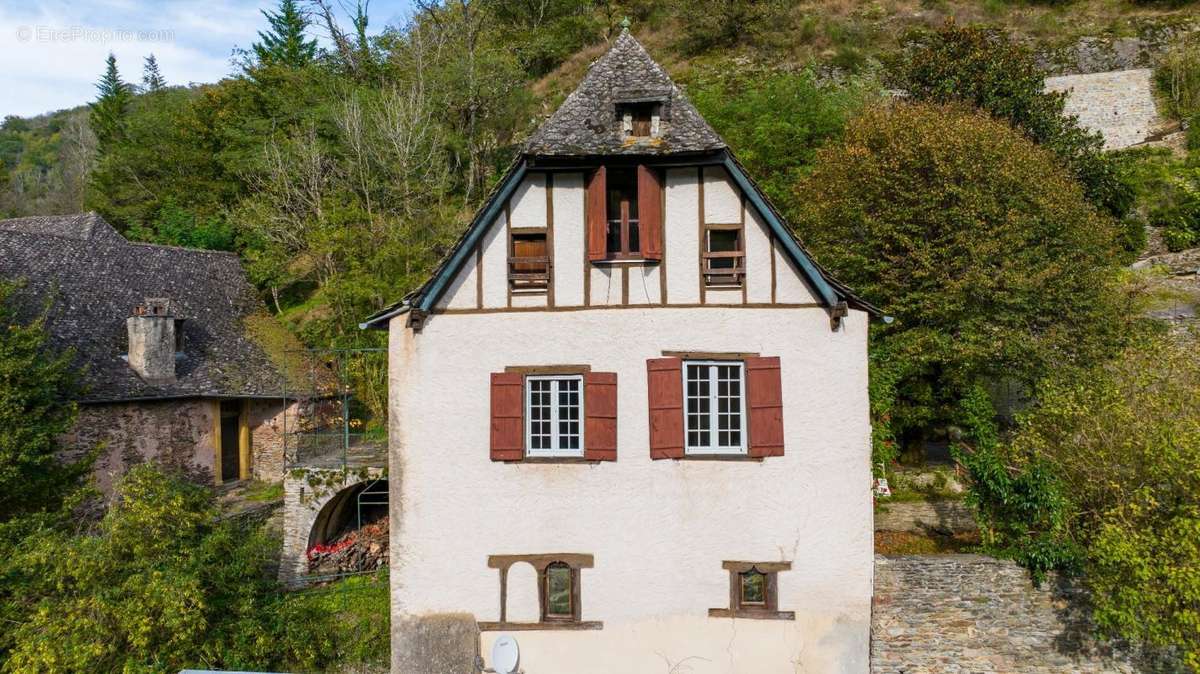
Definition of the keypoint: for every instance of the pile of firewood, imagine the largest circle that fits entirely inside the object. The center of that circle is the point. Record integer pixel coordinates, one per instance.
(364, 549)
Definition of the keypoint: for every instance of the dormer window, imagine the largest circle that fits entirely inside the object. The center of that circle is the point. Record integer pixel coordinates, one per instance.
(639, 120)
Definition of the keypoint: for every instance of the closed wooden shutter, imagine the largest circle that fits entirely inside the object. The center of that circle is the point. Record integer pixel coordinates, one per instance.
(764, 395)
(597, 215)
(664, 382)
(600, 416)
(508, 406)
(650, 212)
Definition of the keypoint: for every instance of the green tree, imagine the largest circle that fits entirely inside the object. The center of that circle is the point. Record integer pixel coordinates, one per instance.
(777, 148)
(111, 106)
(35, 410)
(1118, 449)
(982, 248)
(152, 78)
(284, 43)
(985, 68)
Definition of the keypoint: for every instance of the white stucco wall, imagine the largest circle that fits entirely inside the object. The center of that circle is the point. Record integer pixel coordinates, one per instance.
(605, 282)
(658, 530)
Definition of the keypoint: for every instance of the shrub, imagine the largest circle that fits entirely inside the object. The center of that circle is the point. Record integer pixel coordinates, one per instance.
(35, 410)
(1177, 78)
(1122, 444)
(985, 68)
(971, 236)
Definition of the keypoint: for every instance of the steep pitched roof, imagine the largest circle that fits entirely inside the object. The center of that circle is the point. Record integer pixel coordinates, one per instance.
(586, 123)
(94, 278)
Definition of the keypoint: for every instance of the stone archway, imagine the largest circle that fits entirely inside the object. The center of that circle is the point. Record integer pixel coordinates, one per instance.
(318, 506)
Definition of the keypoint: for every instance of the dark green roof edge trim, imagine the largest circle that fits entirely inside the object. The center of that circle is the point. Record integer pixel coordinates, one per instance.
(430, 296)
(807, 266)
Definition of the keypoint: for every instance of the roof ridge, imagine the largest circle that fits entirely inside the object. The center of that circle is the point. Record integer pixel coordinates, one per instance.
(187, 249)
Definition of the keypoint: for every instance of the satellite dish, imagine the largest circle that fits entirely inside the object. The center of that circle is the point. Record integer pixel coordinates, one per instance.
(505, 655)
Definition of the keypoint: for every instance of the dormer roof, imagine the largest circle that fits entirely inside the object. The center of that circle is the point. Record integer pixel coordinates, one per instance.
(589, 121)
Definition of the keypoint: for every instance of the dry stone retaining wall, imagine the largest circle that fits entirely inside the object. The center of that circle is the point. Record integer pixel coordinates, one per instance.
(942, 516)
(1120, 105)
(938, 614)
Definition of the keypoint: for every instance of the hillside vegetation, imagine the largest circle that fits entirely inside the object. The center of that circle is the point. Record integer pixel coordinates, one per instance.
(996, 233)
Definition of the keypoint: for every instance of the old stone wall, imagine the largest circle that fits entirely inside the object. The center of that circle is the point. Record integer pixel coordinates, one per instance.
(1120, 105)
(305, 493)
(969, 613)
(941, 516)
(175, 433)
(266, 420)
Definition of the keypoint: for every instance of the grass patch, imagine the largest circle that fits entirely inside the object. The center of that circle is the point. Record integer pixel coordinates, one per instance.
(262, 492)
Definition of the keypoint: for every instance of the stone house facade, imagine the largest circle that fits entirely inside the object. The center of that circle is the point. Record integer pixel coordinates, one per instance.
(629, 414)
(172, 346)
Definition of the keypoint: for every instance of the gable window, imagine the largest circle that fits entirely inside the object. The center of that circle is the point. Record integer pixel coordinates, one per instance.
(558, 592)
(639, 120)
(623, 240)
(529, 260)
(553, 407)
(724, 256)
(754, 591)
(715, 405)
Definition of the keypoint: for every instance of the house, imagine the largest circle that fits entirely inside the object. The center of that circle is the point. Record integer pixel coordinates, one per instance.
(629, 414)
(179, 360)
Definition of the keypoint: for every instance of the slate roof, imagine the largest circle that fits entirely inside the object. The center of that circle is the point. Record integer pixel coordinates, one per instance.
(587, 123)
(95, 277)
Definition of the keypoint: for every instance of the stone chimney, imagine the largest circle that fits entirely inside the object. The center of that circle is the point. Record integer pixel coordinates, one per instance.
(152, 341)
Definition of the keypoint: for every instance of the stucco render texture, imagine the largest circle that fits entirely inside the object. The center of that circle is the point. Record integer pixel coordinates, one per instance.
(658, 530)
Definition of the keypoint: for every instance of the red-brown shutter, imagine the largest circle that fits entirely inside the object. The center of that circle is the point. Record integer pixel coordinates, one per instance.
(664, 381)
(508, 406)
(597, 215)
(764, 393)
(650, 212)
(600, 416)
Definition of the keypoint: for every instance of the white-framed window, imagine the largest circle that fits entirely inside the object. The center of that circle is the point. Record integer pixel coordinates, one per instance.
(554, 415)
(714, 407)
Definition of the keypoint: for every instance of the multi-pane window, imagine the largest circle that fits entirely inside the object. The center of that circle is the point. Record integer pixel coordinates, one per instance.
(554, 412)
(714, 405)
(623, 240)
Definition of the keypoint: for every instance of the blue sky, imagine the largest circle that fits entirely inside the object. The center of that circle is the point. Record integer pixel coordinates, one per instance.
(52, 51)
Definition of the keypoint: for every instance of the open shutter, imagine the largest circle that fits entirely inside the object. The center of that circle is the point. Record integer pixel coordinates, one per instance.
(764, 394)
(650, 212)
(664, 380)
(600, 416)
(508, 406)
(597, 215)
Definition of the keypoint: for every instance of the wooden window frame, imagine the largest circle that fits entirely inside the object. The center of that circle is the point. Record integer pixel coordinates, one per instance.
(744, 418)
(541, 563)
(554, 452)
(738, 271)
(626, 253)
(524, 281)
(769, 608)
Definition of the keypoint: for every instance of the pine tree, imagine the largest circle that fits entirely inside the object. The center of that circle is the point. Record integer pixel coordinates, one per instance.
(151, 77)
(109, 111)
(284, 43)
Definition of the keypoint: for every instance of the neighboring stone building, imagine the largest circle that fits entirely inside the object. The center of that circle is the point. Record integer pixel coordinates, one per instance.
(629, 414)
(172, 344)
